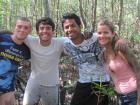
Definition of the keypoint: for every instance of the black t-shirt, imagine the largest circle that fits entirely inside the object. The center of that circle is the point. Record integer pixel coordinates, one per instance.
(10, 56)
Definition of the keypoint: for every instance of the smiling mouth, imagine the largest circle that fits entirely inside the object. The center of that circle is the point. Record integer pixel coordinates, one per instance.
(44, 35)
(102, 39)
(70, 34)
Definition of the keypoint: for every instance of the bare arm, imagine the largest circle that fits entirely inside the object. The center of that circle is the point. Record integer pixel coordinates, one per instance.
(121, 45)
(132, 60)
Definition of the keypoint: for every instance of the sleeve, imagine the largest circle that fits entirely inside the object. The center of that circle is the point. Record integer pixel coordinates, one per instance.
(94, 37)
(65, 45)
(28, 54)
(62, 41)
(28, 41)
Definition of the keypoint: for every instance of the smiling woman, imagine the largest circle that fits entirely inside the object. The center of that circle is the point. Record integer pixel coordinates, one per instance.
(121, 64)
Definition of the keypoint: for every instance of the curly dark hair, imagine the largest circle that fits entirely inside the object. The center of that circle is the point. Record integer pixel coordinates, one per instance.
(71, 16)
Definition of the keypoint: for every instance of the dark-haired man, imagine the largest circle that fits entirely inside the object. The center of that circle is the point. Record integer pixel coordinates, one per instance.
(45, 54)
(85, 54)
(46, 50)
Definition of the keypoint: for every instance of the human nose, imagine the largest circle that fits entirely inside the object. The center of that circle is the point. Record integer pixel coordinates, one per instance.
(102, 34)
(44, 30)
(22, 29)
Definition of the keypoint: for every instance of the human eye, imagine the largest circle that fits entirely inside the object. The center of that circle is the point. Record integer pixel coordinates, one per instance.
(99, 33)
(106, 32)
(41, 28)
(49, 28)
(66, 27)
(19, 26)
(26, 27)
(73, 25)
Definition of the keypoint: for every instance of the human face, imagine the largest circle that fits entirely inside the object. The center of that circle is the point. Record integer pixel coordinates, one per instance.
(21, 30)
(71, 29)
(104, 35)
(45, 32)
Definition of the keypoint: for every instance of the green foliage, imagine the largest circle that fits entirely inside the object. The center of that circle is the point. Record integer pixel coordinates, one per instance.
(134, 37)
(103, 89)
(34, 9)
(65, 60)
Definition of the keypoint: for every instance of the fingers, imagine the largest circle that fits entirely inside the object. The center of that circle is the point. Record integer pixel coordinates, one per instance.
(121, 45)
(87, 35)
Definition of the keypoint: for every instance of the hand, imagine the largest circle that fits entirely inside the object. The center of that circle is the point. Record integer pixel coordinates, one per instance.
(87, 35)
(138, 100)
(121, 45)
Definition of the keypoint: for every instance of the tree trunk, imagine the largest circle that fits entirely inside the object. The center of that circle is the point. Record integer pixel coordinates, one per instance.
(94, 7)
(82, 15)
(46, 8)
(57, 14)
(120, 16)
(112, 7)
(138, 14)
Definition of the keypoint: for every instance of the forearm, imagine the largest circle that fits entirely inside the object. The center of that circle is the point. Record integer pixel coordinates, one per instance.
(136, 67)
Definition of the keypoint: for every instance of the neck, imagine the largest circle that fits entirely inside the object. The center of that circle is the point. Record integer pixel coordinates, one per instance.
(78, 40)
(108, 48)
(17, 41)
(45, 43)
(109, 53)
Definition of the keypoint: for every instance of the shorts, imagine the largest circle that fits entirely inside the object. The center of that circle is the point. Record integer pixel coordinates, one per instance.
(127, 99)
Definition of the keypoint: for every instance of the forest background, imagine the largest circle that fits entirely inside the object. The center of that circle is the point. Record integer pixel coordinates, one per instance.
(124, 13)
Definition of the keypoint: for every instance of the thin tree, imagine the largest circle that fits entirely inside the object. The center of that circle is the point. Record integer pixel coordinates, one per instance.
(120, 16)
(82, 14)
(57, 16)
(138, 15)
(94, 7)
(46, 8)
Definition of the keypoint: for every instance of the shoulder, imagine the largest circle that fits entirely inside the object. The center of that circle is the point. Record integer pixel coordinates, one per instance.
(61, 40)
(31, 40)
(5, 37)
(93, 39)
(31, 37)
(121, 45)
(122, 41)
